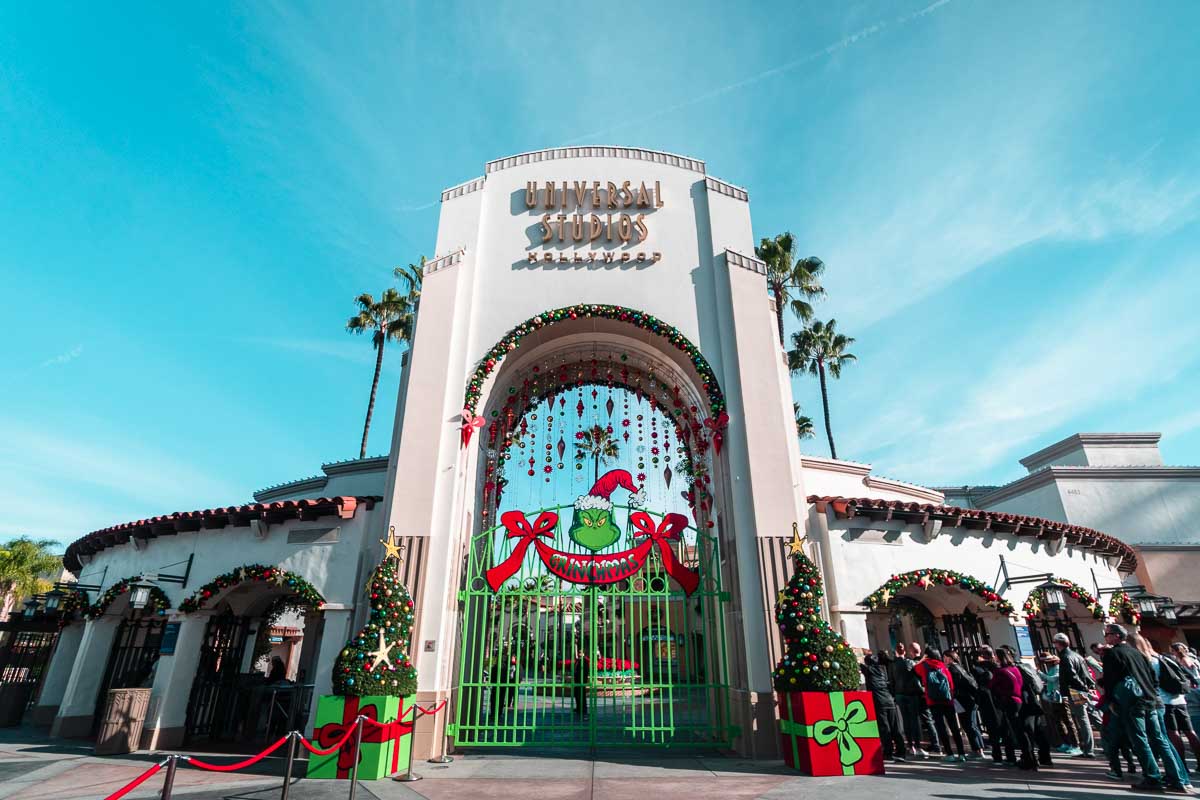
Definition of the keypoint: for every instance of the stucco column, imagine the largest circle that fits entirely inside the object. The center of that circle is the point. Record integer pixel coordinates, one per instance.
(78, 704)
(62, 662)
(1001, 631)
(333, 639)
(173, 678)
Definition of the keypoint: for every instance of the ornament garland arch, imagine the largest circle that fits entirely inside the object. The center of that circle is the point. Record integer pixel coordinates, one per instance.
(1034, 603)
(1122, 607)
(928, 578)
(295, 586)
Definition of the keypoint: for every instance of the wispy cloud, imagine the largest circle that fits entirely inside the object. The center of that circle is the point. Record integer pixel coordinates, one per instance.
(64, 358)
(353, 351)
(640, 120)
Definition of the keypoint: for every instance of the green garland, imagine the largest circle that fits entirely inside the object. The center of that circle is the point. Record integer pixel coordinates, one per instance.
(816, 658)
(925, 578)
(647, 322)
(1034, 603)
(1121, 605)
(74, 600)
(158, 602)
(358, 672)
(300, 590)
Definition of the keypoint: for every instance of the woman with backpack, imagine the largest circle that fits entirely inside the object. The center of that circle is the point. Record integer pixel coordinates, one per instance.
(1173, 683)
(1033, 716)
(965, 703)
(939, 696)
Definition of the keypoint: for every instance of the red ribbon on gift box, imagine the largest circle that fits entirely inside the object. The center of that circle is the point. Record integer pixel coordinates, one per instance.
(374, 732)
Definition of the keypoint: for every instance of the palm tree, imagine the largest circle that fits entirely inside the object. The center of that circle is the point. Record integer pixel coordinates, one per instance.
(598, 444)
(792, 281)
(389, 318)
(819, 349)
(411, 278)
(24, 565)
(804, 425)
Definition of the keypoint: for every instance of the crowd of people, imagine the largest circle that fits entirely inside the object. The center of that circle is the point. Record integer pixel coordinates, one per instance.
(1144, 706)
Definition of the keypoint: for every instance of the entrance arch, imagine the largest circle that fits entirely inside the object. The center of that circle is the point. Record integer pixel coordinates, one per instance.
(551, 656)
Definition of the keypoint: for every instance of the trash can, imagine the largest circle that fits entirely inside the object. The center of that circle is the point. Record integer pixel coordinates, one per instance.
(14, 697)
(121, 727)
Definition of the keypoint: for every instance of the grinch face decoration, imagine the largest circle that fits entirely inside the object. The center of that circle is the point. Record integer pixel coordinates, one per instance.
(592, 524)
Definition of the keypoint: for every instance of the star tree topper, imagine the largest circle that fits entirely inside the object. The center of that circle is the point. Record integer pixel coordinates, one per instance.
(796, 545)
(391, 549)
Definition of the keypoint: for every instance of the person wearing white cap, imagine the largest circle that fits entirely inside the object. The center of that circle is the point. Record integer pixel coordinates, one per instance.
(1078, 687)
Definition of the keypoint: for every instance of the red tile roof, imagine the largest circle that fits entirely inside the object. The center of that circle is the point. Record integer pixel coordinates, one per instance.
(212, 518)
(999, 521)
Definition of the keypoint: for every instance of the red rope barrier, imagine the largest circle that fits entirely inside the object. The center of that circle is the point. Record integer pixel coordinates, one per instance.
(338, 746)
(136, 782)
(414, 709)
(195, 762)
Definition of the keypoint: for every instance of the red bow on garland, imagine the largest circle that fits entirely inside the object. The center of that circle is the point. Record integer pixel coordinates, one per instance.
(717, 425)
(470, 423)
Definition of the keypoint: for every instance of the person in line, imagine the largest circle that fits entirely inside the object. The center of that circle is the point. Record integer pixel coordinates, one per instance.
(1059, 728)
(1007, 687)
(939, 697)
(877, 679)
(1187, 659)
(965, 702)
(909, 699)
(1129, 683)
(1033, 716)
(989, 714)
(928, 729)
(581, 675)
(1172, 710)
(1078, 689)
(1112, 734)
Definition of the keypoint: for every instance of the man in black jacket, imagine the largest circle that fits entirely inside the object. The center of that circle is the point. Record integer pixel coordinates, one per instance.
(877, 678)
(1076, 685)
(1130, 683)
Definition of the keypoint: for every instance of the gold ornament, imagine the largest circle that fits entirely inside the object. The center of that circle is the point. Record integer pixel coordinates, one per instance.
(924, 582)
(279, 578)
(781, 597)
(885, 597)
(796, 546)
(380, 656)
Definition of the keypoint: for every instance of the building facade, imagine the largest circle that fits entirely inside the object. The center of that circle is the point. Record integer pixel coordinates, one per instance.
(615, 287)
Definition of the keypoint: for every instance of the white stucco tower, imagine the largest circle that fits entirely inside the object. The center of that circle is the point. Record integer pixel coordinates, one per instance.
(636, 229)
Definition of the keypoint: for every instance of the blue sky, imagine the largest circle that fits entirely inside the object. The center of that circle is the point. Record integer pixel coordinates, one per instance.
(1007, 196)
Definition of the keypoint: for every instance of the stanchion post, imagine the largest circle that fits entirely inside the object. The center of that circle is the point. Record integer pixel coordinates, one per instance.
(291, 760)
(408, 776)
(169, 781)
(357, 745)
(443, 758)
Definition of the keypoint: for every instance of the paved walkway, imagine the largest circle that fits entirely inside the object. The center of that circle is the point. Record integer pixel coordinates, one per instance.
(33, 767)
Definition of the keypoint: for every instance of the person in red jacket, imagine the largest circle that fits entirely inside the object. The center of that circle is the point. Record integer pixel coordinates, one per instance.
(939, 696)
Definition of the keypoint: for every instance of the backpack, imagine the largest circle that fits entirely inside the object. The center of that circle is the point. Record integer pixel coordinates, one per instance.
(1171, 677)
(1032, 682)
(937, 686)
(964, 684)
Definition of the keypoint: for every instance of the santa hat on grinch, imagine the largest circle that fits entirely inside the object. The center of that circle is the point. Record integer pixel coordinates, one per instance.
(601, 492)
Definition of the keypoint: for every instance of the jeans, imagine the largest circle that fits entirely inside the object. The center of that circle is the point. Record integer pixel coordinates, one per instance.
(1166, 751)
(1143, 724)
(913, 710)
(969, 720)
(1083, 727)
(946, 722)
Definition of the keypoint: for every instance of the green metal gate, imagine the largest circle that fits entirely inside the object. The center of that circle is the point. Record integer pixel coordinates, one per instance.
(653, 669)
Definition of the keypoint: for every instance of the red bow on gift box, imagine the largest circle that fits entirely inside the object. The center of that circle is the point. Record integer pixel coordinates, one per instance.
(374, 732)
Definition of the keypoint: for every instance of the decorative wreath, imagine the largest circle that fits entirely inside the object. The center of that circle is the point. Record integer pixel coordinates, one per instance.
(1122, 605)
(158, 603)
(1033, 604)
(647, 322)
(303, 592)
(925, 578)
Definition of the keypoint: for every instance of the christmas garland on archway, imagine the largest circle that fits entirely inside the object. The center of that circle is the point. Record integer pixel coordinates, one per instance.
(1121, 605)
(926, 578)
(158, 602)
(74, 600)
(303, 592)
(640, 319)
(1033, 604)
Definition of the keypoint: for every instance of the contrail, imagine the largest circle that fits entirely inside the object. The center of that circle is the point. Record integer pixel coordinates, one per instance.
(841, 44)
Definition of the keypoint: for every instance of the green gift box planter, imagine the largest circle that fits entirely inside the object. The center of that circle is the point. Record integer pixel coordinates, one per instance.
(386, 736)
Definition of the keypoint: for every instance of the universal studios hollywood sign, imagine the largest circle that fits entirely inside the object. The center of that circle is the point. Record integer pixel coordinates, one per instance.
(593, 214)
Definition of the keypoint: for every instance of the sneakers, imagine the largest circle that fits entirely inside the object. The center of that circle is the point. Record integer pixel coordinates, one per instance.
(1063, 748)
(1114, 776)
(919, 753)
(975, 757)
(1177, 788)
(1146, 786)
(950, 759)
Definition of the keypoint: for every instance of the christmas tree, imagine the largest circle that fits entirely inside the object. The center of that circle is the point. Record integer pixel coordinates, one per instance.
(375, 662)
(816, 658)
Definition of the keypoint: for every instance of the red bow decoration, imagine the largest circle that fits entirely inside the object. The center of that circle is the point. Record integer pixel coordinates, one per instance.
(374, 732)
(519, 528)
(717, 424)
(470, 423)
(668, 530)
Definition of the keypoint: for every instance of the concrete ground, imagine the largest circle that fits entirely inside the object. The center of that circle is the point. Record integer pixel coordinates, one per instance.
(33, 767)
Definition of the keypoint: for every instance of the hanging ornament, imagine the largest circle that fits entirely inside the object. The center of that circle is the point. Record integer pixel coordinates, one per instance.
(562, 447)
(667, 475)
(609, 405)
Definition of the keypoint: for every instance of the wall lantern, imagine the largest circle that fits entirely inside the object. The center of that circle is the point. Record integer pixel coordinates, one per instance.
(1054, 599)
(139, 594)
(54, 600)
(1168, 612)
(1147, 606)
(31, 607)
